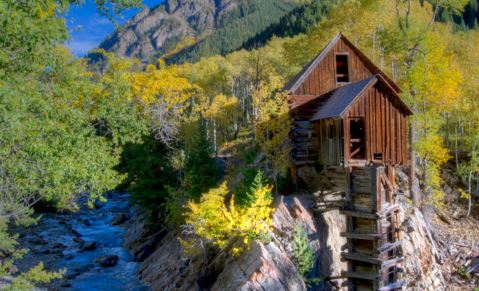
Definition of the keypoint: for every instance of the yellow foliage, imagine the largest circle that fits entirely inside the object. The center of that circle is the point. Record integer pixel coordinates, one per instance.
(213, 221)
(156, 86)
(185, 43)
(272, 126)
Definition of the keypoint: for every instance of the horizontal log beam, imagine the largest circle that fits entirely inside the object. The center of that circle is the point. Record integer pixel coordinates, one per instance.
(359, 214)
(384, 212)
(362, 275)
(388, 247)
(362, 258)
(358, 235)
(392, 262)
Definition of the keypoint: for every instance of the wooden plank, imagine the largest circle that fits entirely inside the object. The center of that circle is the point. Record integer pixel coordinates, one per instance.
(362, 275)
(367, 124)
(383, 122)
(392, 286)
(392, 262)
(404, 138)
(388, 247)
(386, 180)
(358, 235)
(398, 133)
(378, 122)
(361, 258)
(387, 154)
(346, 140)
(393, 135)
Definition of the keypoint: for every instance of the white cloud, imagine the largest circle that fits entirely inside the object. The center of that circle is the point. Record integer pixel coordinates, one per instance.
(81, 48)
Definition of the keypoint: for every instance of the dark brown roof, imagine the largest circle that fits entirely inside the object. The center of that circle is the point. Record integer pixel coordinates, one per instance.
(342, 97)
(339, 100)
(294, 83)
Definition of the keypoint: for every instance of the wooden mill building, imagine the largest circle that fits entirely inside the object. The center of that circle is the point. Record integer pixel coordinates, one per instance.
(350, 127)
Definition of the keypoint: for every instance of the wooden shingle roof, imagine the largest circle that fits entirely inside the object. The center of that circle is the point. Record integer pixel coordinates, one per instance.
(340, 100)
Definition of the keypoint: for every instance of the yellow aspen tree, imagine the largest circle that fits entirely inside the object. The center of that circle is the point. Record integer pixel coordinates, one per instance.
(272, 127)
(213, 221)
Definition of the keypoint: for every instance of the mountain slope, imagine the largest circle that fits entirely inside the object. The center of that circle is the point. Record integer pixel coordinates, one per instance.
(186, 30)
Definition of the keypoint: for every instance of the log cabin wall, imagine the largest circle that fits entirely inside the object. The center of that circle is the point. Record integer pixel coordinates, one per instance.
(323, 77)
(303, 132)
(385, 126)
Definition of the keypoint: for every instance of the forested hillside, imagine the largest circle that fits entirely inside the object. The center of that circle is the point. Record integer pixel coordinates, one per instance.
(463, 21)
(182, 31)
(203, 145)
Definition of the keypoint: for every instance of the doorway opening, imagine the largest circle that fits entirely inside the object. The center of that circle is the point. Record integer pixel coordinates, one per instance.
(357, 131)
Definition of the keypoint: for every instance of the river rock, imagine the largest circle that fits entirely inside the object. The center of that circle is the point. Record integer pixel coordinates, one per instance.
(86, 222)
(120, 218)
(107, 261)
(83, 269)
(76, 233)
(42, 249)
(57, 245)
(88, 246)
(70, 276)
(68, 257)
(78, 240)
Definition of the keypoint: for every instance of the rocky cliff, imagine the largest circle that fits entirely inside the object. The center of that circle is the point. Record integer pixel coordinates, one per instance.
(271, 266)
(265, 266)
(189, 29)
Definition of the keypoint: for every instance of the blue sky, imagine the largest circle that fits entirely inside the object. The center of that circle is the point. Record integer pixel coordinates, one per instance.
(93, 28)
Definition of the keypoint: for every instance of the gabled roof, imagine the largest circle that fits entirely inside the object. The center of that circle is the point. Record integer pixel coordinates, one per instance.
(294, 83)
(342, 98)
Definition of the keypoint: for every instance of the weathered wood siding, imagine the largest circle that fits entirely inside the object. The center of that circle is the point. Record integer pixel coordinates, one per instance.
(385, 123)
(330, 138)
(323, 77)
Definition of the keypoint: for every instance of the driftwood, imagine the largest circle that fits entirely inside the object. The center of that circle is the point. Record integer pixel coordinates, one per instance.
(444, 217)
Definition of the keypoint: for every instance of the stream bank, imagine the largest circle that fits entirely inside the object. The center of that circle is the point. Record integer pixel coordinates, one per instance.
(87, 243)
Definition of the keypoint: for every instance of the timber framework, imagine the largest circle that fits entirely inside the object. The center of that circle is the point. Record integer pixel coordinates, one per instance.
(350, 126)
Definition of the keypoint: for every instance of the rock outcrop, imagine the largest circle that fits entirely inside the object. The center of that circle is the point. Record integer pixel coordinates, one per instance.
(264, 266)
(154, 32)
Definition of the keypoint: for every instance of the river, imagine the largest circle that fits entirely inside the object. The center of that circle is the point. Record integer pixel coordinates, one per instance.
(88, 243)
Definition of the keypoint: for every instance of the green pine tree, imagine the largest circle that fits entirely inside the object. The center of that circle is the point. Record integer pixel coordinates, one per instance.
(149, 172)
(201, 167)
(252, 181)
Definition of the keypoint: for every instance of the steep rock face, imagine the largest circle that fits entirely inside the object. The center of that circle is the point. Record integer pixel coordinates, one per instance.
(261, 267)
(148, 30)
(421, 255)
(217, 26)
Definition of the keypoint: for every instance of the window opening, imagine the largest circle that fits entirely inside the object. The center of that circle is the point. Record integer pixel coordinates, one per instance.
(342, 69)
(356, 141)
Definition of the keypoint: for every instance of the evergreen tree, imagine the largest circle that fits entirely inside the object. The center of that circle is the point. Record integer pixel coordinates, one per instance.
(201, 167)
(149, 171)
(253, 181)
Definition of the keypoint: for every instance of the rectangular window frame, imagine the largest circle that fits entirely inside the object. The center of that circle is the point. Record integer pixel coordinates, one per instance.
(336, 68)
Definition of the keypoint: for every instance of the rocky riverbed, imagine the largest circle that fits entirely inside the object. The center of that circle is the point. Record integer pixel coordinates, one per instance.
(87, 243)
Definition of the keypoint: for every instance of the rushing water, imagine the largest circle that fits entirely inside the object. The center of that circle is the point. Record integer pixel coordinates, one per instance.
(52, 241)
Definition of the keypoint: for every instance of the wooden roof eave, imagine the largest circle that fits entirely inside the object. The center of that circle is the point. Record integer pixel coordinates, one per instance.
(294, 84)
(346, 110)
